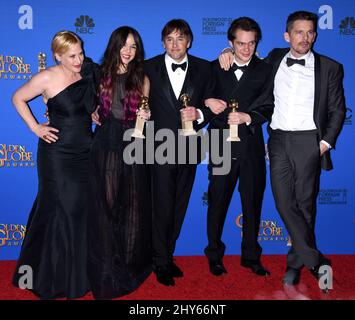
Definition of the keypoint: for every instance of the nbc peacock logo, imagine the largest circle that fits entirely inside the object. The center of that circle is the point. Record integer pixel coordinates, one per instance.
(84, 24)
(347, 26)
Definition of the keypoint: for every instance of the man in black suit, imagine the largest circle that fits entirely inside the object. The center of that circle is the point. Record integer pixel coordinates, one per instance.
(309, 111)
(171, 75)
(248, 82)
(308, 115)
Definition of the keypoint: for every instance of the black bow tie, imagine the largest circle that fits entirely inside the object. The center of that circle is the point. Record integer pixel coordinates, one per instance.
(235, 67)
(183, 66)
(290, 62)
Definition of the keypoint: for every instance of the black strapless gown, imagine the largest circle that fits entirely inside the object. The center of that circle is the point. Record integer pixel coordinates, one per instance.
(55, 245)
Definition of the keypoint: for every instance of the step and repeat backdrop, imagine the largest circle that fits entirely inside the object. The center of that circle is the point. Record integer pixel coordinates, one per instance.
(26, 30)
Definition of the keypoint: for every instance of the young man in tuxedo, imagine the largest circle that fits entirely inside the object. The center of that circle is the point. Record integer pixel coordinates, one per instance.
(309, 111)
(172, 74)
(248, 82)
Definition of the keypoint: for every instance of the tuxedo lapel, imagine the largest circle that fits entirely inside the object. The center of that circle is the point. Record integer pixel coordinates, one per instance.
(233, 83)
(317, 85)
(245, 76)
(188, 86)
(166, 87)
(277, 60)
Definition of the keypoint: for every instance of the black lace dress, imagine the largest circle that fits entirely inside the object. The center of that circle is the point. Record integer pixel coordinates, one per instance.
(120, 210)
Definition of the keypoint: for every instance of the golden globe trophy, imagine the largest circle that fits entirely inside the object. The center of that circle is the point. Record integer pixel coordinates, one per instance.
(233, 128)
(187, 126)
(138, 130)
(42, 66)
(41, 61)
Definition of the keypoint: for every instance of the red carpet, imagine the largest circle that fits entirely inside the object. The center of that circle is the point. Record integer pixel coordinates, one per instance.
(238, 284)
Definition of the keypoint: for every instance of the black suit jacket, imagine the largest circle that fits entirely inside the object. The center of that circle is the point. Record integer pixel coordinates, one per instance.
(165, 108)
(329, 102)
(251, 92)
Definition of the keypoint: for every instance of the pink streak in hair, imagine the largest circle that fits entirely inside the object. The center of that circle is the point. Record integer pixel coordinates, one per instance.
(105, 97)
(130, 103)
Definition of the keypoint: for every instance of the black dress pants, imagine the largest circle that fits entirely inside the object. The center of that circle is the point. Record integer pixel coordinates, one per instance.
(172, 186)
(295, 173)
(251, 173)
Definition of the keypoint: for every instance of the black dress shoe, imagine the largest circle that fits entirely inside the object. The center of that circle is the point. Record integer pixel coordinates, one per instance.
(216, 267)
(292, 276)
(323, 262)
(164, 276)
(256, 267)
(175, 271)
(317, 272)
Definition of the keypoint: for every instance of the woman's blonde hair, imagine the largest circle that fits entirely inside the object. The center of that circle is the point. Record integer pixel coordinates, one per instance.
(62, 40)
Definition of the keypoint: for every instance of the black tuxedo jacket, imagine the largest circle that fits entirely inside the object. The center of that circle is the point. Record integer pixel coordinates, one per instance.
(329, 101)
(251, 92)
(165, 108)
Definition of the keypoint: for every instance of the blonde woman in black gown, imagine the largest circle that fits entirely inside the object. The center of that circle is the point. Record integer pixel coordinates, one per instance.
(120, 215)
(55, 245)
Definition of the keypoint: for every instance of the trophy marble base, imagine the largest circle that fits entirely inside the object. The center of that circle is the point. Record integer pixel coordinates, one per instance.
(138, 130)
(137, 134)
(188, 132)
(187, 129)
(233, 139)
(233, 133)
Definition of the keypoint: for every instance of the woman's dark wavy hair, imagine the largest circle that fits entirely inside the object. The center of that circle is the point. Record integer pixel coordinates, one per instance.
(109, 67)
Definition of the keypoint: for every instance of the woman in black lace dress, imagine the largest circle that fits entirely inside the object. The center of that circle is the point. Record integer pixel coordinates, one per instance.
(120, 215)
(55, 245)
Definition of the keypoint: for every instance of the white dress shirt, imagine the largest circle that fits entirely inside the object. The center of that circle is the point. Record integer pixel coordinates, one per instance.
(294, 96)
(177, 78)
(238, 73)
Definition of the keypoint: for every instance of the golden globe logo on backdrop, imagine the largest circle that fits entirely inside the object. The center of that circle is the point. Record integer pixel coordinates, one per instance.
(14, 68)
(269, 230)
(11, 234)
(16, 156)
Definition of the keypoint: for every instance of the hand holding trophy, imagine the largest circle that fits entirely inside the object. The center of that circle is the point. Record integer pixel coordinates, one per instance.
(233, 128)
(138, 130)
(187, 126)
